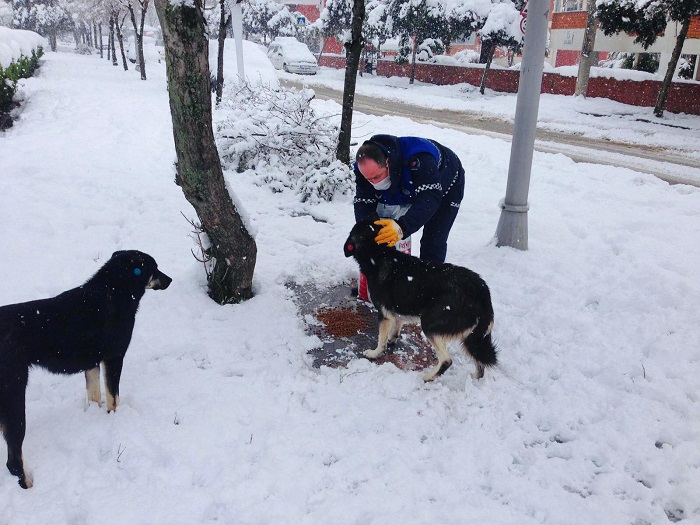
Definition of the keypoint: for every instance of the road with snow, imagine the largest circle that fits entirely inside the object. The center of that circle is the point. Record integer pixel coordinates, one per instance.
(668, 165)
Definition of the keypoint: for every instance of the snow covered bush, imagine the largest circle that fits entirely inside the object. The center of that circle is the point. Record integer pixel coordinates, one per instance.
(466, 56)
(685, 68)
(277, 135)
(615, 60)
(20, 52)
(404, 51)
(429, 48)
(648, 62)
(83, 49)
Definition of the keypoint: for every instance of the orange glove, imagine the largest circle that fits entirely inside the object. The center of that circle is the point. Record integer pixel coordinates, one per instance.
(390, 233)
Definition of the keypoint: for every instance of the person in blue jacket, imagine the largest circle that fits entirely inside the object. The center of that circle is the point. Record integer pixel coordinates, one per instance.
(411, 182)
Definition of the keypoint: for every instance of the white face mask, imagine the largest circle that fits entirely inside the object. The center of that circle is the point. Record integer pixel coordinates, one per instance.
(383, 185)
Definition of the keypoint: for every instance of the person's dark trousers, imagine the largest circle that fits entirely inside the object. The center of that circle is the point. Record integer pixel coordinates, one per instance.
(433, 243)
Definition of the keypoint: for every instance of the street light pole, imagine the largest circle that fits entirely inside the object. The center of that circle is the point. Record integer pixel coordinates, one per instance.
(512, 225)
(237, 21)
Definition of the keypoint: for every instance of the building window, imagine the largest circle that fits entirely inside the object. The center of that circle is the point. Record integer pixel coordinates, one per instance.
(568, 5)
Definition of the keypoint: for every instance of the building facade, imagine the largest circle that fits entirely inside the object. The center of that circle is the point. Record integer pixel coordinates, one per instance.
(569, 23)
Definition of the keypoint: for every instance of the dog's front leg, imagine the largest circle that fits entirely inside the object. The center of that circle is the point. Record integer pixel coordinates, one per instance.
(394, 334)
(92, 384)
(112, 372)
(13, 422)
(386, 329)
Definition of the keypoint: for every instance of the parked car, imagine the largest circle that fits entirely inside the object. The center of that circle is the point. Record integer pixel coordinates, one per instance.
(289, 54)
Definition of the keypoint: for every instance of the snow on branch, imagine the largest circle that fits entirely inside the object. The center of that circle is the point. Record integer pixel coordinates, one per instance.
(280, 138)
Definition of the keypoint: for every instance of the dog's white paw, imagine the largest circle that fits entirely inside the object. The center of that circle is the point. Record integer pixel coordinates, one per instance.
(479, 372)
(27, 482)
(429, 376)
(373, 354)
(437, 371)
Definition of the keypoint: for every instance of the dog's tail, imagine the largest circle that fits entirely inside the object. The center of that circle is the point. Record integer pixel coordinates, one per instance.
(479, 345)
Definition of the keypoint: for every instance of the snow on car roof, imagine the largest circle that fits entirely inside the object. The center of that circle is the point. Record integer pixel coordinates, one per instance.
(295, 50)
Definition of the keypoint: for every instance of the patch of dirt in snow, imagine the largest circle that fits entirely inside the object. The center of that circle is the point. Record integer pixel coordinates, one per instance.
(347, 326)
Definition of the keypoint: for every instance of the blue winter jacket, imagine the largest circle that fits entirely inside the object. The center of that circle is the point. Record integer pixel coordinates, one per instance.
(421, 173)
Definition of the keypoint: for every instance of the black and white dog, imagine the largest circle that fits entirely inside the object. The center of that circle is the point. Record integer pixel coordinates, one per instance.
(70, 333)
(451, 303)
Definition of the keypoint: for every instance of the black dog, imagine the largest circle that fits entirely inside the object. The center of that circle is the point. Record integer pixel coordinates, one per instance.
(449, 302)
(70, 333)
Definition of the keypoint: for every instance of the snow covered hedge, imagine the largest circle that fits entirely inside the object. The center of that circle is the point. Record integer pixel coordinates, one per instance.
(20, 51)
(276, 134)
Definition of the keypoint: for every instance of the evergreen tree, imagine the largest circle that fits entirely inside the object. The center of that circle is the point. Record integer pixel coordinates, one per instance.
(465, 18)
(417, 21)
(335, 21)
(257, 15)
(497, 23)
(46, 17)
(647, 19)
(335, 18)
(376, 27)
(283, 23)
(501, 27)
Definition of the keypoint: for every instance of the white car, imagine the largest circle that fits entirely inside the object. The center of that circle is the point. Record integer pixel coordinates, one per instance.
(289, 54)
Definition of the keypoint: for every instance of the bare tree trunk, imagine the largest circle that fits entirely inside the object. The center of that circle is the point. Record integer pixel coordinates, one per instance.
(94, 34)
(587, 54)
(99, 29)
(109, 39)
(680, 40)
(353, 49)
(199, 172)
(112, 23)
(635, 62)
(138, 33)
(120, 38)
(491, 49)
(323, 48)
(413, 62)
(139, 40)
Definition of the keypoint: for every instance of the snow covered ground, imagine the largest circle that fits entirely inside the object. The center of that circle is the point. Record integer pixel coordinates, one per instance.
(593, 416)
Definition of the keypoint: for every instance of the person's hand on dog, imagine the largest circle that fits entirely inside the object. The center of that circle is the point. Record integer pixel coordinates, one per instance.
(390, 233)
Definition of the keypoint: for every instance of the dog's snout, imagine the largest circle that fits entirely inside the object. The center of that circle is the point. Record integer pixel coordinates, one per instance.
(159, 281)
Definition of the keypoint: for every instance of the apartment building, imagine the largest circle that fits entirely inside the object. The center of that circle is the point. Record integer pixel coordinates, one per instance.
(569, 23)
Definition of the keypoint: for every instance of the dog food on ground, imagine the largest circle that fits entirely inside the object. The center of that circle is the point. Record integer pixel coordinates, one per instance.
(344, 321)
